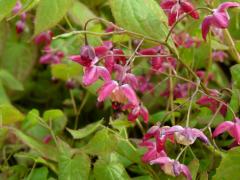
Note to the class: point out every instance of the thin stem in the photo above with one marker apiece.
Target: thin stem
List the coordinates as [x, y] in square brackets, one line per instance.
[191, 102]
[80, 109]
[140, 126]
[213, 118]
[179, 155]
[171, 96]
[233, 50]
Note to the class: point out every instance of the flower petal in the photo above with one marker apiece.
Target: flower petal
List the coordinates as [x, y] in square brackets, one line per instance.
[206, 26]
[224, 6]
[167, 4]
[186, 172]
[161, 160]
[188, 8]
[225, 126]
[199, 134]
[90, 75]
[103, 73]
[106, 90]
[144, 113]
[130, 94]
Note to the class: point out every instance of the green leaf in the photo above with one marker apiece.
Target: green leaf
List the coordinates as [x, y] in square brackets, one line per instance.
[89, 129]
[121, 123]
[3, 96]
[66, 71]
[45, 150]
[234, 104]
[49, 13]
[9, 114]
[6, 7]
[80, 13]
[142, 16]
[109, 171]
[57, 118]
[71, 168]
[38, 174]
[102, 143]
[10, 81]
[229, 166]
[18, 57]
[235, 71]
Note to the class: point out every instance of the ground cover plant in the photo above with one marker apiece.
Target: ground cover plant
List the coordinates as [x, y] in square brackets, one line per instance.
[119, 89]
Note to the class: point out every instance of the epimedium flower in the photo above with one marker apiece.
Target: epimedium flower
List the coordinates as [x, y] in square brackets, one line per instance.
[212, 103]
[51, 57]
[187, 136]
[232, 127]
[88, 60]
[118, 93]
[44, 38]
[175, 8]
[152, 152]
[172, 167]
[136, 111]
[219, 18]
[219, 56]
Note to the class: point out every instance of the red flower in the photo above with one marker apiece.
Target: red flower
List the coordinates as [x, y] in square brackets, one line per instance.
[219, 19]
[175, 8]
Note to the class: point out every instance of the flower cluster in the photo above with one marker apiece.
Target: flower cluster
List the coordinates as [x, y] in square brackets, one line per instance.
[124, 84]
[50, 56]
[21, 23]
[156, 151]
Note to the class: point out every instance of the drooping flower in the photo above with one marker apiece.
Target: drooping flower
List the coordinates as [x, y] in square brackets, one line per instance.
[117, 93]
[175, 8]
[232, 127]
[172, 167]
[219, 18]
[88, 60]
[160, 136]
[152, 151]
[44, 38]
[179, 91]
[187, 136]
[136, 111]
[51, 57]
[212, 103]
[219, 56]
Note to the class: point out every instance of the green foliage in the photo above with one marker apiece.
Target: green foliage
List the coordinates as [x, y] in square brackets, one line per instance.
[229, 166]
[9, 114]
[49, 13]
[86, 131]
[109, 171]
[144, 18]
[6, 7]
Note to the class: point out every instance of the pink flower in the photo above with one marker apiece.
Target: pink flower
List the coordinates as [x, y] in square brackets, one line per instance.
[44, 38]
[152, 152]
[118, 93]
[219, 18]
[88, 59]
[20, 26]
[87, 56]
[212, 103]
[219, 56]
[175, 8]
[233, 128]
[51, 57]
[160, 136]
[136, 111]
[17, 7]
[144, 85]
[187, 136]
[172, 167]
[93, 73]
[180, 90]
